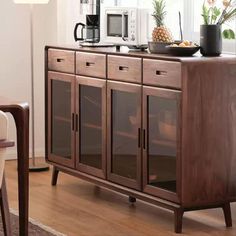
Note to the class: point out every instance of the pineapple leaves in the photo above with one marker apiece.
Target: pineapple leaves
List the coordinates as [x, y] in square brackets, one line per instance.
[159, 13]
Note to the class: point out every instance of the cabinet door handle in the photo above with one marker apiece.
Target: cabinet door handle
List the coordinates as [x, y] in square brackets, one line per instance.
[139, 137]
[73, 121]
[60, 59]
[144, 139]
[77, 122]
[123, 68]
[88, 64]
[159, 72]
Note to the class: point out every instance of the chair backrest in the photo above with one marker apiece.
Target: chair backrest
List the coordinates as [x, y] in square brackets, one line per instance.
[3, 126]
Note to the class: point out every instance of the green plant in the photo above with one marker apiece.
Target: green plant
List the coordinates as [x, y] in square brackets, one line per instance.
[213, 15]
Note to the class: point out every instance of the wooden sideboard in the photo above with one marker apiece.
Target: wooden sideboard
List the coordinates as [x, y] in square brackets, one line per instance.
[154, 127]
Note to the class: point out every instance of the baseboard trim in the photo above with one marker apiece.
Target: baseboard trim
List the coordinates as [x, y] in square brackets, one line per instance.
[12, 155]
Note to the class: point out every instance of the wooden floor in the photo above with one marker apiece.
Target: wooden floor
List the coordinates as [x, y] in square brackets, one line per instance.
[78, 208]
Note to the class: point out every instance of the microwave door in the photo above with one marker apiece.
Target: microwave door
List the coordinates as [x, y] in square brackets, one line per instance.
[125, 26]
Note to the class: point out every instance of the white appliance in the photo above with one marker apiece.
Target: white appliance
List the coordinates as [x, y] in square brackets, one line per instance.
[125, 26]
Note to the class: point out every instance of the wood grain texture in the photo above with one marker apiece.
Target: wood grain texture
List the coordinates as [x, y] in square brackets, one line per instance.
[91, 64]
[209, 133]
[162, 73]
[61, 60]
[69, 206]
[126, 69]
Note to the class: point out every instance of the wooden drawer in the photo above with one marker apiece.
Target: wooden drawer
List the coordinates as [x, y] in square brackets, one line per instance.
[61, 60]
[162, 73]
[125, 68]
[91, 64]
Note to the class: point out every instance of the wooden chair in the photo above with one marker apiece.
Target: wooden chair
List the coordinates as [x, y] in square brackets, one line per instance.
[3, 192]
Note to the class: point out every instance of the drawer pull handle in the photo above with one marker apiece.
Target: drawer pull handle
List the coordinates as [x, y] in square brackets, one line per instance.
[159, 72]
[90, 64]
[123, 68]
[60, 59]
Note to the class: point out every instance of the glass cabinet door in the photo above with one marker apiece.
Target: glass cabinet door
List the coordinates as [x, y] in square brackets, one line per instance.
[60, 112]
[161, 119]
[124, 130]
[91, 126]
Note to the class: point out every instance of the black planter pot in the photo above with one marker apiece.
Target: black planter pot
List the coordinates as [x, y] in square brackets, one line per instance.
[211, 40]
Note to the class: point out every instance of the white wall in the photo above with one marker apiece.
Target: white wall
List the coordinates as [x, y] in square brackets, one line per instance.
[15, 58]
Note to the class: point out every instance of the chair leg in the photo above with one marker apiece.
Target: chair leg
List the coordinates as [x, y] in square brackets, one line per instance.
[5, 209]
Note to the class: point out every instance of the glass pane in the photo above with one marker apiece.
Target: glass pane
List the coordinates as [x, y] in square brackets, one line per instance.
[91, 126]
[61, 118]
[162, 121]
[125, 133]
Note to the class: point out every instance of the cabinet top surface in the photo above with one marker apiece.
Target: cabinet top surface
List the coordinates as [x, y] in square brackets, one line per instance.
[124, 51]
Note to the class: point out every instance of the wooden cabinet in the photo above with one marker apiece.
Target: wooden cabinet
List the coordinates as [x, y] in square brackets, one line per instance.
[157, 128]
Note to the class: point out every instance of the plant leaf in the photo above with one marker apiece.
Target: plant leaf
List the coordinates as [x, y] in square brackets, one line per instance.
[228, 34]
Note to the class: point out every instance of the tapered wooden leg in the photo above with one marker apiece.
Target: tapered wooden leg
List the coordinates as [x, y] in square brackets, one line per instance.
[178, 220]
[55, 173]
[227, 214]
[5, 209]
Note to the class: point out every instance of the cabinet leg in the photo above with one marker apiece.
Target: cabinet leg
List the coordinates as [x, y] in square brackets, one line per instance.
[227, 214]
[178, 220]
[55, 172]
[132, 199]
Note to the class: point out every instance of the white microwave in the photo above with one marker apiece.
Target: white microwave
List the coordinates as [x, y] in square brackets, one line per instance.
[125, 26]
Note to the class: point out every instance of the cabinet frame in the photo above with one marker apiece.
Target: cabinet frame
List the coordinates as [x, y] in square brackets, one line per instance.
[98, 83]
[159, 192]
[52, 157]
[126, 87]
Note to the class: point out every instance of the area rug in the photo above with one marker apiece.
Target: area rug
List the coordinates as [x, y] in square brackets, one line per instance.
[35, 228]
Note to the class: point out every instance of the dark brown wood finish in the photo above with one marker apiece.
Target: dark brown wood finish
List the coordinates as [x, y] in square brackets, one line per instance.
[20, 113]
[91, 64]
[205, 95]
[97, 83]
[6, 143]
[133, 89]
[54, 76]
[208, 133]
[61, 60]
[162, 73]
[176, 96]
[55, 173]
[124, 69]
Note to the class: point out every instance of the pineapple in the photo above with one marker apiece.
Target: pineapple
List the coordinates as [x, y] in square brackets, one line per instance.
[160, 32]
